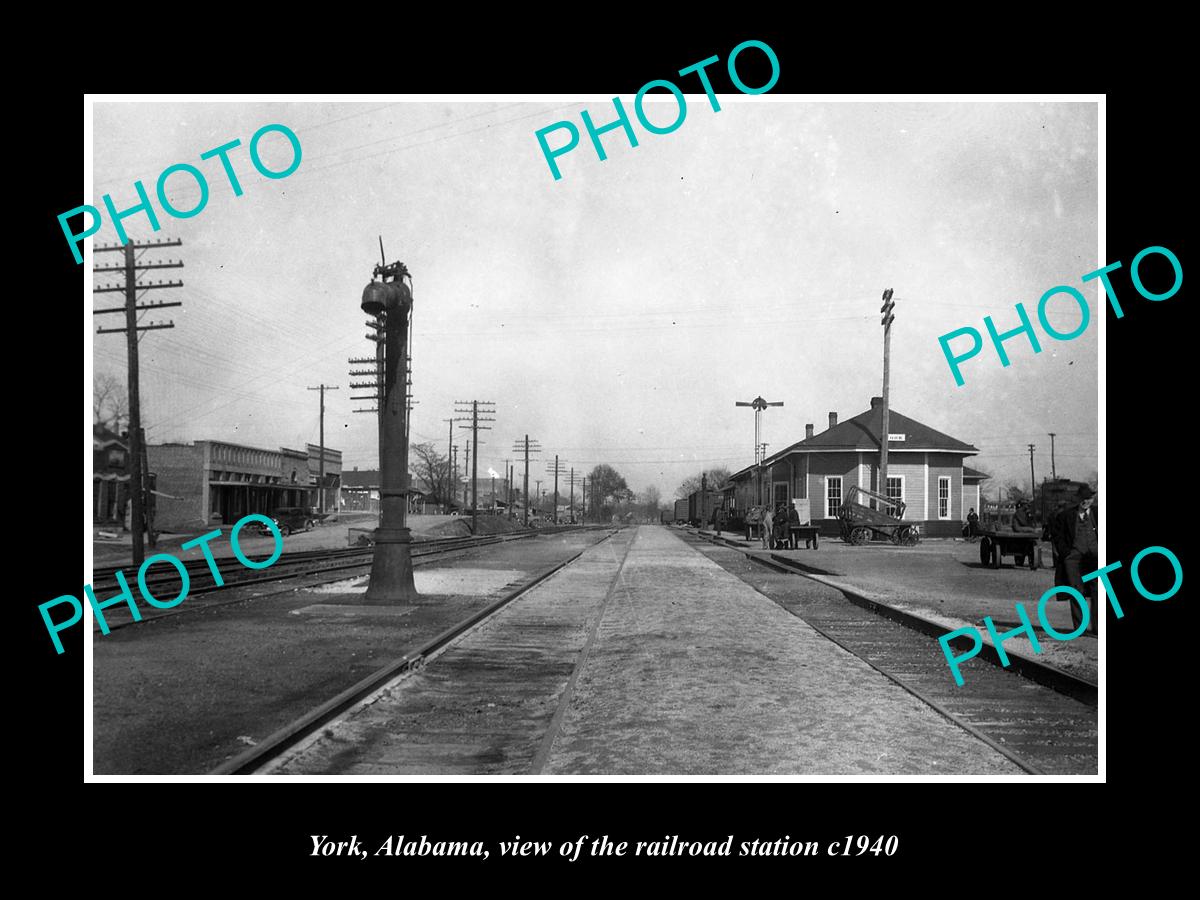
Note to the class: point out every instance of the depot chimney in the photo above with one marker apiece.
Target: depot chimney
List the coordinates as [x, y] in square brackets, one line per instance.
[832, 419]
[808, 431]
[876, 401]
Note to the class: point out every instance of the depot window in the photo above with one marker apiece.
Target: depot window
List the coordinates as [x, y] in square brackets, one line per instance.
[943, 497]
[833, 496]
[895, 488]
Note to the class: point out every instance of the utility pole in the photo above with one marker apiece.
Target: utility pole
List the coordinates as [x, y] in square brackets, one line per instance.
[321, 465]
[1032, 483]
[488, 409]
[508, 486]
[583, 488]
[527, 447]
[572, 495]
[136, 456]
[466, 469]
[1053, 473]
[538, 493]
[556, 469]
[888, 317]
[451, 490]
[452, 487]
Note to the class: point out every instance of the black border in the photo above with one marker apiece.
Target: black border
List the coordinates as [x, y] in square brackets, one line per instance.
[1145, 502]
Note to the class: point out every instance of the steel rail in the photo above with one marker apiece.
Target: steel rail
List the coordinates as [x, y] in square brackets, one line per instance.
[290, 735]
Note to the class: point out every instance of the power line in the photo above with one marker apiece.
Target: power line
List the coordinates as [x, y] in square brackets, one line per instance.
[141, 513]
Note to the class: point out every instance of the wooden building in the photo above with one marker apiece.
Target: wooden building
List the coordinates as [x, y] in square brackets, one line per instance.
[110, 475]
[925, 470]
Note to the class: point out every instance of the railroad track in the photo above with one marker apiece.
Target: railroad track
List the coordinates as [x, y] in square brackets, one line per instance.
[280, 742]
[1043, 729]
[234, 574]
[295, 565]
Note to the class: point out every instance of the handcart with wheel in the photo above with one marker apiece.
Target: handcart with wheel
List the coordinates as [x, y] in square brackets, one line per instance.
[861, 521]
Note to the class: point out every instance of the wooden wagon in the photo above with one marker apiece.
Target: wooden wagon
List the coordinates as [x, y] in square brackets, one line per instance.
[859, 521]
[996, 544]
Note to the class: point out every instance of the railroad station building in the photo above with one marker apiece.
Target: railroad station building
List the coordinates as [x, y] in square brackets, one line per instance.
[925, 471]
[209, 483]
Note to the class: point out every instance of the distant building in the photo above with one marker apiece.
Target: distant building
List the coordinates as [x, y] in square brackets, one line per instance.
[211, 482]
[110, 475]
[360, 492]
[925, 471]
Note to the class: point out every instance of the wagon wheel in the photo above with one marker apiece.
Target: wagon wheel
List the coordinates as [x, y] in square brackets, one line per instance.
[860, 535]
[1033, 559]
[910, 537]
[997, 556]
[985, 551]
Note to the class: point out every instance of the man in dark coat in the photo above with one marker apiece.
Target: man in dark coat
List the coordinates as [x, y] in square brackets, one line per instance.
[793, 519]
[1073, 531]
[781, 527]
[1021, 520]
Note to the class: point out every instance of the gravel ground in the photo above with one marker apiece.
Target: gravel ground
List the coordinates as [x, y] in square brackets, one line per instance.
[944, 581]
[184, 693]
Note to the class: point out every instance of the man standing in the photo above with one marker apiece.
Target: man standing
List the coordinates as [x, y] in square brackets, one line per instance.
[972, 524]
[1073, 531]
[768, 523]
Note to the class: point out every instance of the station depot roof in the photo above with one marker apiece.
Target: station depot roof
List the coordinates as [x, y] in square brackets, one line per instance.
[861, 434]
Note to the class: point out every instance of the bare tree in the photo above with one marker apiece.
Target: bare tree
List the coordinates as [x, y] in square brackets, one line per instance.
[716, 478]
[432, 470]
[110, 404]
[1014, 492]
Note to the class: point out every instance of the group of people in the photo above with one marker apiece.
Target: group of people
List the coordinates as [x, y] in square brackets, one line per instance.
[775, 524]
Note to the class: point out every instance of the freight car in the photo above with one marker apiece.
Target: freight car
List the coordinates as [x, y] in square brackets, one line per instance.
[701, 505]
[681, 512]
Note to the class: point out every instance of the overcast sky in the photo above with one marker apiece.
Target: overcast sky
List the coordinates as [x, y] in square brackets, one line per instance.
[617, 314]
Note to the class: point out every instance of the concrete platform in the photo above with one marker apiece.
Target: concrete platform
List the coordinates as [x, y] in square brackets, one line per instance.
[944, 582]
[695, 672]
[644, 657]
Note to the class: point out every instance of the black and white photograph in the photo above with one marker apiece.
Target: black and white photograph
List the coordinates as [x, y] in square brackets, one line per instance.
[703, 432]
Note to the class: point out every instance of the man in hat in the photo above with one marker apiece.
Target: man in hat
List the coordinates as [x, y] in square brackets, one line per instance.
[1020, 519]
[1073, 531]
